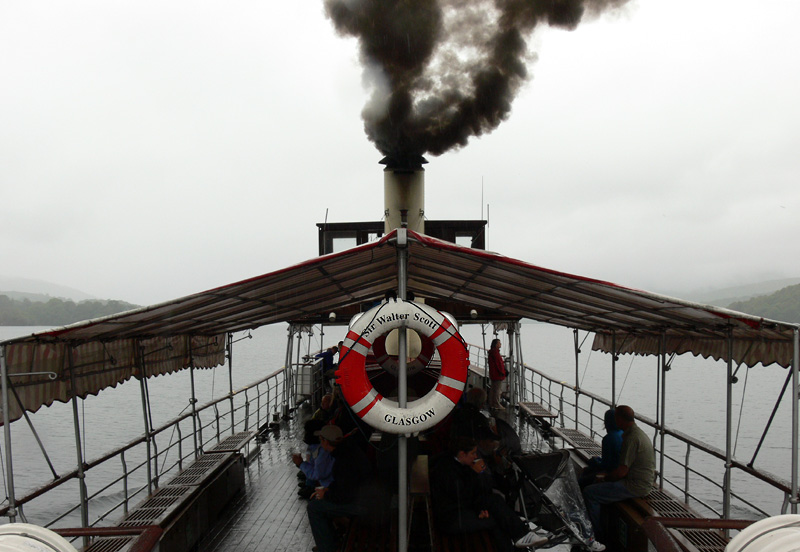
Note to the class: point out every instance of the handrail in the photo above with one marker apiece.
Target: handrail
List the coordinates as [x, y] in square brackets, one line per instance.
[174, 422]
[712, 451]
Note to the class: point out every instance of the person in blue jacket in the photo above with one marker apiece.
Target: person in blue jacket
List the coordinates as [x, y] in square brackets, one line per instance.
[612, 444]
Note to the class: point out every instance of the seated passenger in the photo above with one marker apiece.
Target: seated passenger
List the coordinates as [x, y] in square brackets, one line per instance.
[325, 411]
[463, 500]
[633, 477]
[344, 496]
[316, 470]
[612, 443]
[468, 421]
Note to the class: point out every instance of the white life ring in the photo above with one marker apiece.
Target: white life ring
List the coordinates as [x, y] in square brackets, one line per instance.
[384, 414]
[390, 363]
[25, 537]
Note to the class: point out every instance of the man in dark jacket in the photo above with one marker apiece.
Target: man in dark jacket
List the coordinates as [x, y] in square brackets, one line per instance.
[343, 497]
[464, 502]
[328, 366]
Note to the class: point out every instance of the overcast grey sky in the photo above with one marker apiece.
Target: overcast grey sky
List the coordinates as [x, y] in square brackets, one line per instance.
[150, 150]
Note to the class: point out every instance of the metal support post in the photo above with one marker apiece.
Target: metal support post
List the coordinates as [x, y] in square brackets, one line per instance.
[521, 386]
[12, 502]
[511, 379]
[193, 402]
[287, 367]
[296, 362]
[230, 380]
[78, 451]
[485, 361]
[726, 498]
[402, 395]
[147, 435]
[288, 382]
[577, 373]
[663, 407]
[613, 369]
[795, 419]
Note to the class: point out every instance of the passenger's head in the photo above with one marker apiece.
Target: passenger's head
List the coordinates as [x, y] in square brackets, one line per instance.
[495, 344]
[327, 402]
[611, 424]
[624, 417]
[330, 436]
[310, 430]
[464, 449]
[476, 397]
[334, 349]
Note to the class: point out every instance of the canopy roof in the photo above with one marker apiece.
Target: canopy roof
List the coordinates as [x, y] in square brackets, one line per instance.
[191, 331]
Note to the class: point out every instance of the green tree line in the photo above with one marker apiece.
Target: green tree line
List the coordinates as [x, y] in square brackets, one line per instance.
[783, 305]
[55, 312]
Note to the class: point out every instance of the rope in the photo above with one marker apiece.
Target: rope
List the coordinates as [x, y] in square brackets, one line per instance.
[619, 395]
[3, 464]
[586, 368]
[741, 410]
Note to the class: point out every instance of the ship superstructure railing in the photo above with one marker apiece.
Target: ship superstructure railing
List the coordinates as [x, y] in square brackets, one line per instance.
[123, 476]
[690, 468]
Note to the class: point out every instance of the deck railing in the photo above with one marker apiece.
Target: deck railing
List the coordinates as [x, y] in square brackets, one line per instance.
[118, 479]
[693, 470]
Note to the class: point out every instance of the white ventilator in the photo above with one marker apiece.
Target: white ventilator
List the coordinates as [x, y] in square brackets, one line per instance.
[774, 534]
[24, 537]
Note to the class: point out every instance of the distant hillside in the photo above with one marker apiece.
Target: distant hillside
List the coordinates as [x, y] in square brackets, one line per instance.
[16, 288]
[55, 312]
[725, 296]
[783, 305]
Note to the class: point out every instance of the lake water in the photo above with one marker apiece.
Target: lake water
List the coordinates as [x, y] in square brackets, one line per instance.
[695, 402]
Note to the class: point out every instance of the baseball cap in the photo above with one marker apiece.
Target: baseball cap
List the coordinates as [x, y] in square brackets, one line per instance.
[330, 433]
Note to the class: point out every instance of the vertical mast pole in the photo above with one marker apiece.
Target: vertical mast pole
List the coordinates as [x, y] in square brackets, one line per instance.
[193, 402]
[511, 379]
[726, 498]
[295, 373]
[288, 381]
[521, 361]
[230, 379]
[577, 371]
[287, 366]
[79, 453]
[795, 418]
[402, 394]
[663, 400]
[404, 209]
[12, 501]
[147, 435]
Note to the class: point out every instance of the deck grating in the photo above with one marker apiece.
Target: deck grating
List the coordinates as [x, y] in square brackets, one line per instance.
[704, 540]
[111, 544]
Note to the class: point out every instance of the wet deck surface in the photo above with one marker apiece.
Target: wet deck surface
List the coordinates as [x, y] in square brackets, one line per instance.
[269, 515]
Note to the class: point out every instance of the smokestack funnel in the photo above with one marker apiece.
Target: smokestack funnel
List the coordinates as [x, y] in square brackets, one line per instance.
[404, 190]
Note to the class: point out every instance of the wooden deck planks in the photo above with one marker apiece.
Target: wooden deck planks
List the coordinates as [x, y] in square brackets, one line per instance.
[269, 516]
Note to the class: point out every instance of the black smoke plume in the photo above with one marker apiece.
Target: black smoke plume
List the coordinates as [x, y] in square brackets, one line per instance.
[442, 71]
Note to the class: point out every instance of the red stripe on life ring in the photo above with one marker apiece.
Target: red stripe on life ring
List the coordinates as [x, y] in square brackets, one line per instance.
[449, 392]
[353, 336]
[369, 406]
